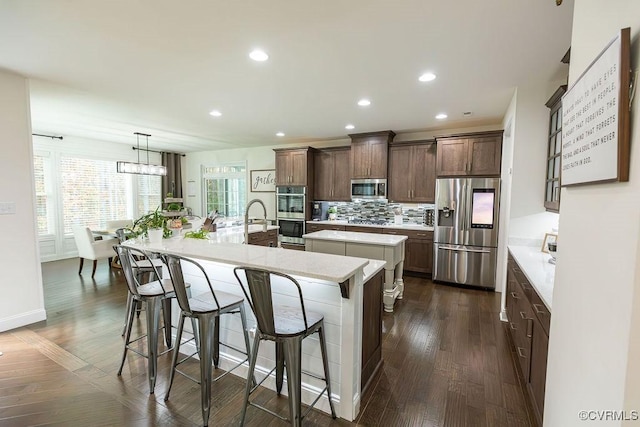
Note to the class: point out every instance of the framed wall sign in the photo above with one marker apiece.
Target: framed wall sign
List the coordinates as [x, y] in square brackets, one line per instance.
[595, 122]
[263, 181]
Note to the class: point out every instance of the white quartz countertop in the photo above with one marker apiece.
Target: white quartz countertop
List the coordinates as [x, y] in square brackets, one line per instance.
[536, 267]
[236, 234]
[356, 237]
[333, 268]
[418, 227]
[372, 269]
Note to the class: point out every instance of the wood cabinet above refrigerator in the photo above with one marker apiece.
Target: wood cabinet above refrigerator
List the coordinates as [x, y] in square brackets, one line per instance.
[472, 154]
[369, 154]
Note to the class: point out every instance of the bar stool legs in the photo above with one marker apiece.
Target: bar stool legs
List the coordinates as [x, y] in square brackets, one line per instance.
[289, 357]
[153, 324]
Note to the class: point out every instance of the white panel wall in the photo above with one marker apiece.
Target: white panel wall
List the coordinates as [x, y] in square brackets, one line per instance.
[594, 349]
[21, 285]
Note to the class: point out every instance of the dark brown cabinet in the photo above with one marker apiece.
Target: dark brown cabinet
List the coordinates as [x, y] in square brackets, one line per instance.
[371, 328]
[294, 166]
[332, 174]
[529, 321]
[477, 154]
[369, 154]
[418, 249]
[264, 238]
[313, 227]
[412, 172]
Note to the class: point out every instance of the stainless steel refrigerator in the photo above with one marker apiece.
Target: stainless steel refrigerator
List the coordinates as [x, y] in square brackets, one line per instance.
[466, 231]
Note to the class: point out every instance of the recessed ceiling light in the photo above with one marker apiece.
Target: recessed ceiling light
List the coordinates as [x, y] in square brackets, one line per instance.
[364, 102]
[215, 113]
[427, 77]
[280, 134]
[258, 55]
[349, 127]
[441, 116]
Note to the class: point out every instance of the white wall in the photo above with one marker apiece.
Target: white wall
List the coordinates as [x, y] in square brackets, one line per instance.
[22, 299]
[594, 349]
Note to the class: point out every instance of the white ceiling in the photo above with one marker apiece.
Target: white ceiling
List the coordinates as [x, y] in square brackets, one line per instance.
[105, 69]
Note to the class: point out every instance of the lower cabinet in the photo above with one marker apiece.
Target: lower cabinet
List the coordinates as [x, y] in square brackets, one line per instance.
[529, 322]
[312, 227]
[264, 238]
[418, 249]
[371, 328]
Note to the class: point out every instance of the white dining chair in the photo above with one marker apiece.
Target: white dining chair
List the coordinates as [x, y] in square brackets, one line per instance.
[118, 223]
[89, 248]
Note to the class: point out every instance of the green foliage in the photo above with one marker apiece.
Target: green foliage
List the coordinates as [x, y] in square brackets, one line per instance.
[199, 234]
[174, 207]
[151, 220]
[332, 209]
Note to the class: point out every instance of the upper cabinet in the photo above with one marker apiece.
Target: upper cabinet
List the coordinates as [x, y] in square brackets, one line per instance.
[294, 166]
[554, 146]
[475, 154]
[412, 172]
[332, 174]
[369, 152]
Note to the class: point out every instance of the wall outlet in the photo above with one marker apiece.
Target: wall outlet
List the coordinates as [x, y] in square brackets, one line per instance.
[7, 208]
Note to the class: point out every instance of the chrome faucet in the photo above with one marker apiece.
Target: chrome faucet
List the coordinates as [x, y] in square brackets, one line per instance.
[246, 219]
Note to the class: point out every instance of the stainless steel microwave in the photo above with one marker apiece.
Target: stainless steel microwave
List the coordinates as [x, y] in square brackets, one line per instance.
[368, 189]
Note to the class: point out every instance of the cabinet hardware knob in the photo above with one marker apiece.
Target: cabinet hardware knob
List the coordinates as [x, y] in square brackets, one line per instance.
[421, 235]
[537, 310]
[514, 295]
[520, 350]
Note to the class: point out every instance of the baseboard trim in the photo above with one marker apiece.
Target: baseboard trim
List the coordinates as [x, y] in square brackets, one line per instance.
[22, 319]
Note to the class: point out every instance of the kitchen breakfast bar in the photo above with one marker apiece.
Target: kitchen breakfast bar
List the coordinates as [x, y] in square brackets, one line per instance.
[342, 288]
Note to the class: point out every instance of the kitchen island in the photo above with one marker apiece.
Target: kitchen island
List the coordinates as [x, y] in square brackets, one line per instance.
[331, 285]
[385, 247]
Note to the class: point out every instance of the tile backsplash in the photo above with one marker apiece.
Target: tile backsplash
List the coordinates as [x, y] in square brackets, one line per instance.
[376, 210]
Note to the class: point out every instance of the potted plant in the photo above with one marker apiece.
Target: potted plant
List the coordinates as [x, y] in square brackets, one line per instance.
[333, 212]
[151, 225]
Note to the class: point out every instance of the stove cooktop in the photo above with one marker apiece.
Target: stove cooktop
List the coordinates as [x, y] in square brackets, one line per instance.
[368, 221]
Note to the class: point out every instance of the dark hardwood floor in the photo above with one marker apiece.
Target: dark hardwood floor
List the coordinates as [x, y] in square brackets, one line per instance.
[447, 362]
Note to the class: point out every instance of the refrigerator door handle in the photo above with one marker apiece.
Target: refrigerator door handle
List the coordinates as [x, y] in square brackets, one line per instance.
[458, 249]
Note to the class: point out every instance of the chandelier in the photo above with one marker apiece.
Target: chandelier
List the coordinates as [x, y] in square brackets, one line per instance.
[141, 168]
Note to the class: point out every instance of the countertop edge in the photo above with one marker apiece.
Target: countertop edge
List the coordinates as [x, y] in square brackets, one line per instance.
[537, 279]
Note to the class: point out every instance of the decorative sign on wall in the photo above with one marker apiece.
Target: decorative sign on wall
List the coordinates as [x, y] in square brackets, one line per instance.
[263, 181]
[595, 122]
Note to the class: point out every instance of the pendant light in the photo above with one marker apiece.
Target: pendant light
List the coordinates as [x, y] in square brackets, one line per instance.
[141, 168]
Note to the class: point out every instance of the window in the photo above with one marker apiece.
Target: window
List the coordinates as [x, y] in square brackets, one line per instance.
[93, 192]
[149, 197]
[44, 196]
[554, 148]
[225, 189]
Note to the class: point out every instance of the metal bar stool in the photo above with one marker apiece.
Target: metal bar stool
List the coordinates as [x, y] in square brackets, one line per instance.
[153, 294]
[206, 310]
[287, 327]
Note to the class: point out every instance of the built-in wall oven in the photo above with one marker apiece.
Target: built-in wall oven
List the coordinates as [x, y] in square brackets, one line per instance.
[291, 209]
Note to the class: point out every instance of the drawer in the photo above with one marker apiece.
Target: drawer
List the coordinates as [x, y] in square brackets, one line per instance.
[357, 229]
[312, 228]
[412, 234]
[261, 235]
[541, 311]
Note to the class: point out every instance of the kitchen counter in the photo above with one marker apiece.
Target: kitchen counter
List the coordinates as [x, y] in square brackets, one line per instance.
[388, 248]
[322, 278]
[418, 227]
[235, 234]
[537, 269]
